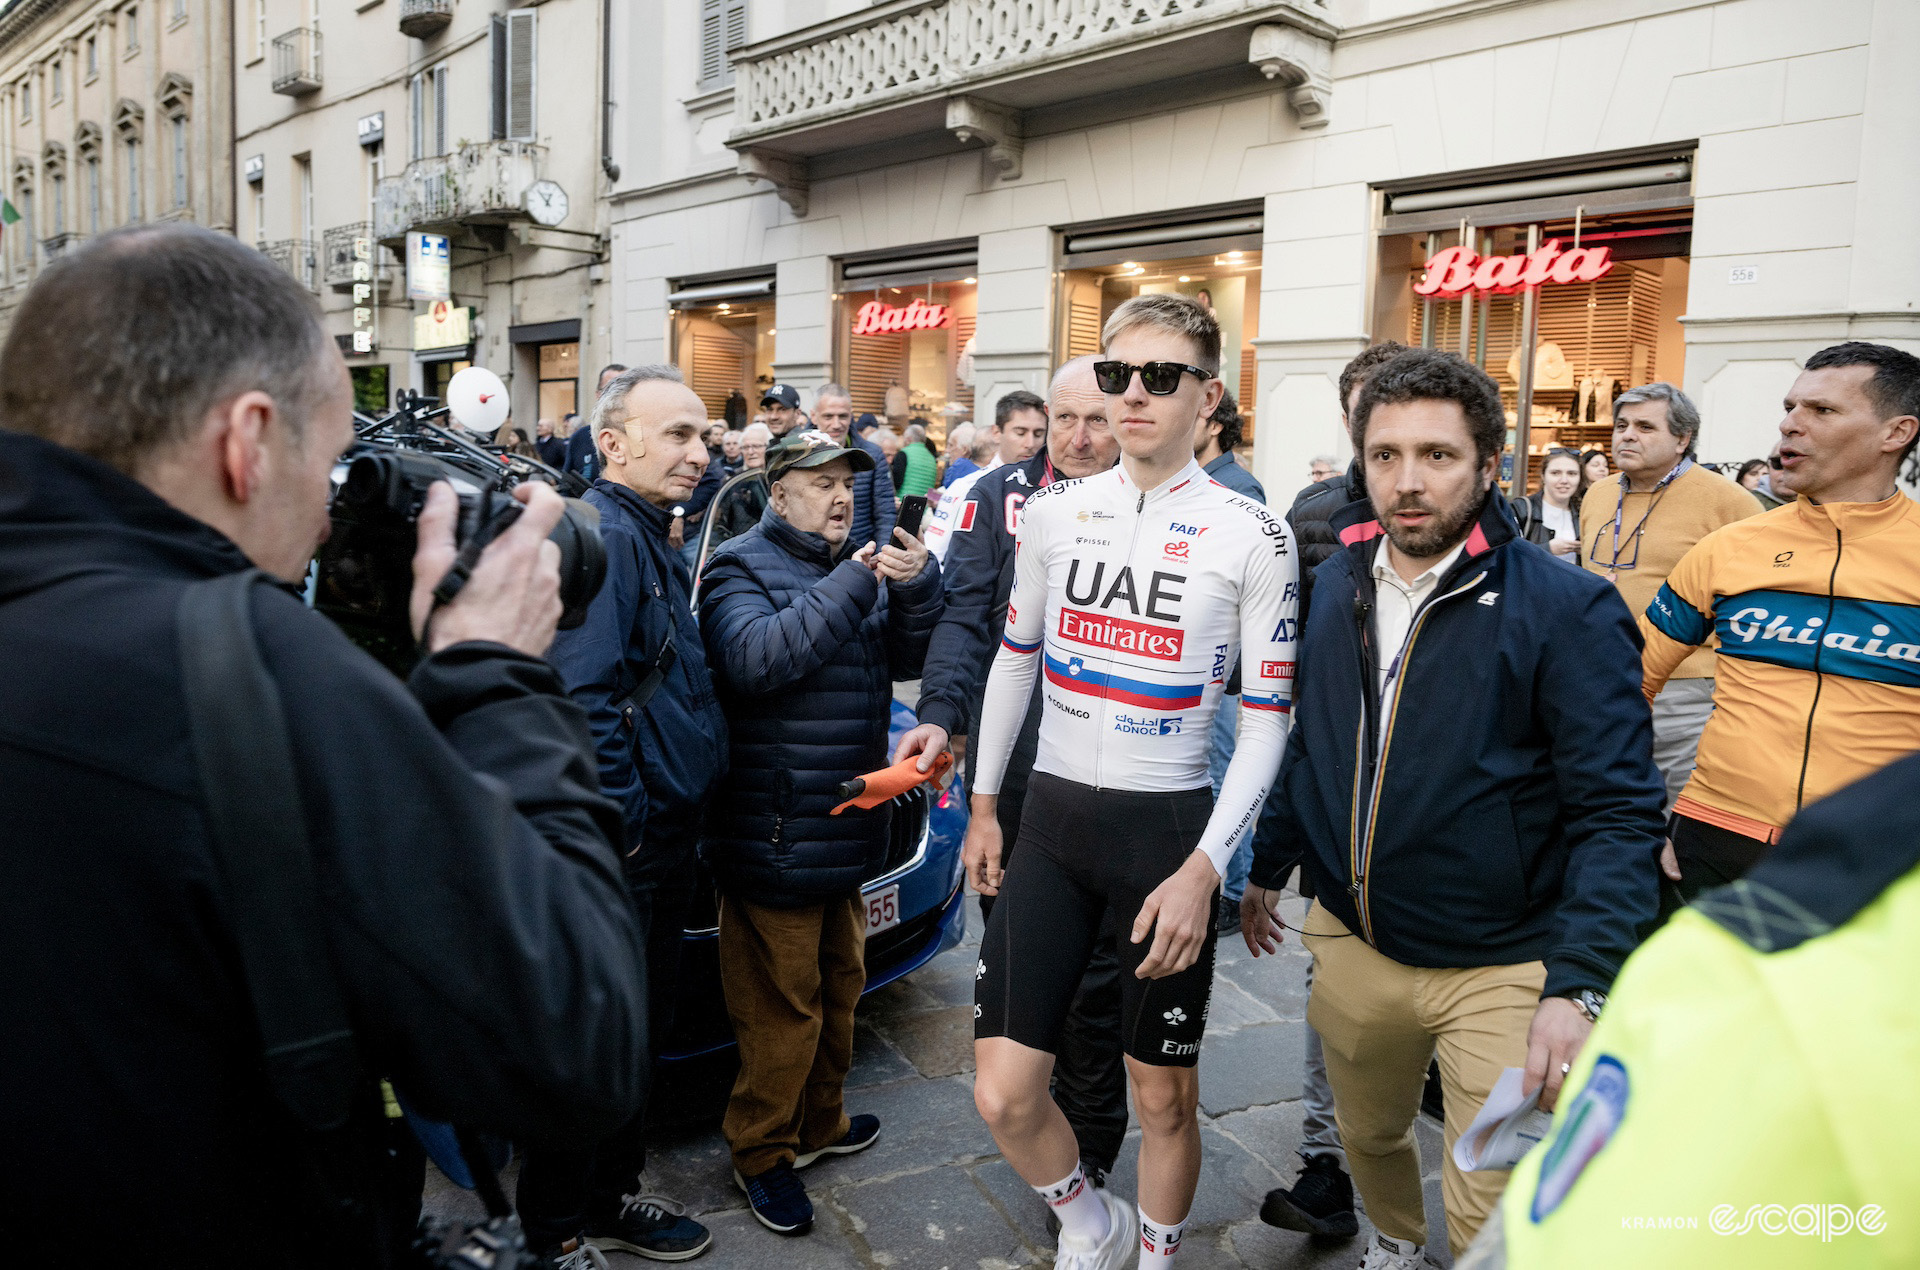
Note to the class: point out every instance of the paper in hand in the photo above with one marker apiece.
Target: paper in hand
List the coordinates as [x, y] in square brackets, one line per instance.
[1506, 1128]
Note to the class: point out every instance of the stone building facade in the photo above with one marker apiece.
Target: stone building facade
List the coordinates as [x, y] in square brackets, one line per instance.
[1023, 165]
[112, 112]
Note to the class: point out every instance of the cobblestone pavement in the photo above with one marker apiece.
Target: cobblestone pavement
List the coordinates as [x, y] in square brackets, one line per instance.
[934, 1194]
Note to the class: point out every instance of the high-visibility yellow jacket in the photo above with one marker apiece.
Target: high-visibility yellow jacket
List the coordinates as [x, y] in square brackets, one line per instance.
[1817, 609]
[1755, 1075]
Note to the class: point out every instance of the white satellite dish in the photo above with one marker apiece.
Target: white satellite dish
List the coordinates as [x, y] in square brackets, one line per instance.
[478, 400]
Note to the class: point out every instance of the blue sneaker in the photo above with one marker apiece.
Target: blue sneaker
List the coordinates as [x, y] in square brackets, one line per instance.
[862, 1132]
[650, 1226]
[779, 1200]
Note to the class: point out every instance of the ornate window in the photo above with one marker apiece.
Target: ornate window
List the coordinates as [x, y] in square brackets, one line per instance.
[129, 125]
[92, 211]
[176, 101]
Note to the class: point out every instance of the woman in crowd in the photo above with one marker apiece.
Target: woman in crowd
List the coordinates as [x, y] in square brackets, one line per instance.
[1593, 464]
[1550, 516]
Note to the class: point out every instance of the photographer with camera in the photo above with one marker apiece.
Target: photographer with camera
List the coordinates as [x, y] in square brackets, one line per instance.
[173, 411]
[638, 668]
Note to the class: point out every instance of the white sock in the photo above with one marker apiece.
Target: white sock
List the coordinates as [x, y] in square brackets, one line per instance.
[1082, 1215]
[1159, 1240]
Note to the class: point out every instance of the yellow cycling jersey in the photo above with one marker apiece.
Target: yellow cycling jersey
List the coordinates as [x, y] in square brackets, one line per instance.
[1817, 610]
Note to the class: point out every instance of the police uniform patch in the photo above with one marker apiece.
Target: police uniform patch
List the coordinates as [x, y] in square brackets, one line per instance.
[1589, 1125]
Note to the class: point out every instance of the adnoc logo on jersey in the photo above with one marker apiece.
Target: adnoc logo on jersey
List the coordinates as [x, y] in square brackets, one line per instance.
[1133, 725]
[1163, 643]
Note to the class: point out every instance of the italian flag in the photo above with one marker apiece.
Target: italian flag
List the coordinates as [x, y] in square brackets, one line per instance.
[9, 215]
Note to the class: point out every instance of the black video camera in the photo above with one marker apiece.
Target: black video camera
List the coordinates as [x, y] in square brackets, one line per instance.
[364, 573]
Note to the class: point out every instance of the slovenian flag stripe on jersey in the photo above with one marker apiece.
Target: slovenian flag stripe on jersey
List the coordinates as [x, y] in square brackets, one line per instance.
[1258, 701]
[1134, 692]
[1018, 647]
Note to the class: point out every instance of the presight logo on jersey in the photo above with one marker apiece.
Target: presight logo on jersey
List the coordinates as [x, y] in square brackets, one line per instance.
[1164, 643]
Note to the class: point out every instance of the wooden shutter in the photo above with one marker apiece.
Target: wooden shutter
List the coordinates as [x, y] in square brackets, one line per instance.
[719, 368]
[520, 75]
[713, 41]
[497, 99]
[440, 110]
[417, 139]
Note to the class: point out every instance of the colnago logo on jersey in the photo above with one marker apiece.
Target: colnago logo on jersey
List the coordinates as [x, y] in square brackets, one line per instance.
[1164, 643]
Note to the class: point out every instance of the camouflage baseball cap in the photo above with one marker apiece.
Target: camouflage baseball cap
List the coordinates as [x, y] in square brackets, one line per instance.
[813, 449]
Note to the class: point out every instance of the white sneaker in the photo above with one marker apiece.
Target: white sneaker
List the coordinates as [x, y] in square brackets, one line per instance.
[1395, 1254]
[1111, 1253]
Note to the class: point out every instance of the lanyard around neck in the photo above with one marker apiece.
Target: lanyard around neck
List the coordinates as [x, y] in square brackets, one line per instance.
[1620, 508]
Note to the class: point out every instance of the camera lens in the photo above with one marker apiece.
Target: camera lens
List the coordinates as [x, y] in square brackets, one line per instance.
[583, 560]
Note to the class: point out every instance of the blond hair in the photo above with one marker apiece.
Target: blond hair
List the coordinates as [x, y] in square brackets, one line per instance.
[1167, 311]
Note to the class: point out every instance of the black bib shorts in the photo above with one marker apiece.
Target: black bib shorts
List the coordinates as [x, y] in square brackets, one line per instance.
[1082, 851]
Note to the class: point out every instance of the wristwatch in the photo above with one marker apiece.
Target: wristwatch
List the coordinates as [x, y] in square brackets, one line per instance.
[1589, 1003]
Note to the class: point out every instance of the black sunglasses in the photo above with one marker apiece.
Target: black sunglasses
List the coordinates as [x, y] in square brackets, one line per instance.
[1158, 378]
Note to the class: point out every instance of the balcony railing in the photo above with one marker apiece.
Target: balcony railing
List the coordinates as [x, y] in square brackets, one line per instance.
[298, 257]
[482, 183]
[55, 246]
[296, 62]
[423, 18]
[341, 258]
[929, 51]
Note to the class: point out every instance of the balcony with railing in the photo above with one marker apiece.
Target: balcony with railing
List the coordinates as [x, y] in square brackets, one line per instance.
[930, 75]
[423, 19]
[53, 248]
[479, 184]
[296, 62]
[298, 257]
[344, 261]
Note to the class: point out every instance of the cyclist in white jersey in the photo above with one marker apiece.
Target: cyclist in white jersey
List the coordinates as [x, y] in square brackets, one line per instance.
[1135, 591]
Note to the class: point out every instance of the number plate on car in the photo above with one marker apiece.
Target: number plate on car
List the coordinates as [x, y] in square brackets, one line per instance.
[883, 910]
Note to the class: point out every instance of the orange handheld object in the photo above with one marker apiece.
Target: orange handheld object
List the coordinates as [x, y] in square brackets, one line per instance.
[890, 782]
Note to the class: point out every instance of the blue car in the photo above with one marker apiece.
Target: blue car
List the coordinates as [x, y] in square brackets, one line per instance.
[914, 911]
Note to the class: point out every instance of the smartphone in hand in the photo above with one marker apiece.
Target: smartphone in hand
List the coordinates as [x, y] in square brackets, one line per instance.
[913, 510]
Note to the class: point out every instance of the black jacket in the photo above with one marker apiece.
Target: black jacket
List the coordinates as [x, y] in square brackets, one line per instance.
[661, 760]
[979, 577]
[1311, 519]
[979, 581]
[805, 644]
[1516, 814]
[470, 900]
[875, 505]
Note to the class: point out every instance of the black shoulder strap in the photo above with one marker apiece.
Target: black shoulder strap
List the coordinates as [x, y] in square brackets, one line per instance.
[648, 679]
[259, 835]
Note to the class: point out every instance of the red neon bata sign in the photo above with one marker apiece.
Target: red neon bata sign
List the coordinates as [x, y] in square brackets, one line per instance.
[876, 318]
[1458, 270]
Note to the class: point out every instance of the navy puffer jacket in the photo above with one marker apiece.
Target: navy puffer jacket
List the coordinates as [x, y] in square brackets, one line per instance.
[805, 644]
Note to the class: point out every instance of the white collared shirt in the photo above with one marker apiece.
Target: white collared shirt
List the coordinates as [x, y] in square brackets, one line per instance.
[1395, 602]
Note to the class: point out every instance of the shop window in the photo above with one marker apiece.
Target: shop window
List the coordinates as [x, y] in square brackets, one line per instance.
[559, 380]
[439, 374]
[1595, 336]
[726, 348]
[370, 388]
[1227, 282]
[906, 352]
